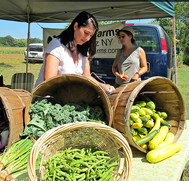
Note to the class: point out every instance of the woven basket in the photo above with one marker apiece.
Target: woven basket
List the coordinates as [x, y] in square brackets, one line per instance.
[76, 135]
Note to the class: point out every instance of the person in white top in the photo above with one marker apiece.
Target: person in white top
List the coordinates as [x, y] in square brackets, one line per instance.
[71, 51]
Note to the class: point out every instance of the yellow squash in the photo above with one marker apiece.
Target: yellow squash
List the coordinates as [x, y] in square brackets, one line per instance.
[168, 140]
[157, 123]
[162, 153]
[158, 138]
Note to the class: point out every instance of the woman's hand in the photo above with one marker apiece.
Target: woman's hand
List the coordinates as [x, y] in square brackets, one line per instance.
[135, 77]
[122, 77]
[107, 88]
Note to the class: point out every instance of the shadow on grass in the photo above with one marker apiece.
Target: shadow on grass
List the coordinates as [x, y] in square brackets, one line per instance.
[5, 65]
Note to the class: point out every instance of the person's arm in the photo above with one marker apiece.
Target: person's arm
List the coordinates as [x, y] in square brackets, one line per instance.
[143, 64]
[86, 73]
[51, 66]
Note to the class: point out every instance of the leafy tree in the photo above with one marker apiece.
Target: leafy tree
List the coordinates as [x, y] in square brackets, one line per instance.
[35, 40]
[182, 29]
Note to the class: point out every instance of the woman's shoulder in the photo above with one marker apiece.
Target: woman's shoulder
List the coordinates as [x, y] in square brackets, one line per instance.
[141, 49]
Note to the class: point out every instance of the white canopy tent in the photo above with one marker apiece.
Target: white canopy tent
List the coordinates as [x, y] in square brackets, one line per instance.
[64, 11]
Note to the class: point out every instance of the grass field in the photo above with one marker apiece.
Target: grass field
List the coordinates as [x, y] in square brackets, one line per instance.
[12, 61]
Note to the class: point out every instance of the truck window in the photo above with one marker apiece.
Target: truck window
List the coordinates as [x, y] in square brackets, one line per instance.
[147, 38]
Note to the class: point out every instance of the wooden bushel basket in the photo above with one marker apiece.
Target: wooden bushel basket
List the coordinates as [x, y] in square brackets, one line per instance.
[72, 88]
[162, 91]
[14, 102]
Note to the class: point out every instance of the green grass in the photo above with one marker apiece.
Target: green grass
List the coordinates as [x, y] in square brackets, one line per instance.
[12, 61]
[183, 85]
[12, 50]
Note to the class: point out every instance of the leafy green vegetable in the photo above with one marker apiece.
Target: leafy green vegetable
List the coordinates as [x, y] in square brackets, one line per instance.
[45, 116]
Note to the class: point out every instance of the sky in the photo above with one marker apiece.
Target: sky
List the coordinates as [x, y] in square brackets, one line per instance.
[19, 30]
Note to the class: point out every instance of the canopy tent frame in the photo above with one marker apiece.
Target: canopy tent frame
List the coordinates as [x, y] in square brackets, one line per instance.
[63, 11]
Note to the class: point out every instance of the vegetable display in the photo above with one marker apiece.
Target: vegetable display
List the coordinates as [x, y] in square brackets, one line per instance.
[45, 116]
[15, 159]
[162, 153]
[80, 164]
[151, 131]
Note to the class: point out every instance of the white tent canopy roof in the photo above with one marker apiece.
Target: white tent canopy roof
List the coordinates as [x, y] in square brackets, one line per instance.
[65, 11]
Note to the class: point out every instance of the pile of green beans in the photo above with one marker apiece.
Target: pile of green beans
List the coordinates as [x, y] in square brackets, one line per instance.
[80, 164]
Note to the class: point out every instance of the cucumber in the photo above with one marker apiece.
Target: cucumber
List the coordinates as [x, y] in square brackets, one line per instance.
[147, 138]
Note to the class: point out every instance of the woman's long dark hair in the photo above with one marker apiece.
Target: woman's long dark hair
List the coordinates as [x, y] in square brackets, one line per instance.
[67, 36]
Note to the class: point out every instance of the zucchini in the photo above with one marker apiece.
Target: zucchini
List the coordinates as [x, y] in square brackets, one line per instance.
[142, 130]
[141, 103]
[130, 122]
[133, 132]
[147, 138]
[144, 146]
[165, 123]
[144, 119]
[134, 116]
[168, 140]
[162, 153]
[141, 112]
[157, 123]
[147, 111]
[136, 137]
[158, 138]
[137, 125]
[134, 109]
[147, 116]
[150, 105]
[164, 115]
[149, 124]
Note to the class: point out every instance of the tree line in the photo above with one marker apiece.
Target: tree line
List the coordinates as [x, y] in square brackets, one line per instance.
[181, 23]
[182, 30]
[9, 41]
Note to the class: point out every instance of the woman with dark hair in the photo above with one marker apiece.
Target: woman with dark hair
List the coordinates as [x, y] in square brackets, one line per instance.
[130, 61]
[71, 51]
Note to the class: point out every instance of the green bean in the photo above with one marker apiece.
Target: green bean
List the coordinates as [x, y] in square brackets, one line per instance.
[80, 164]
[107, 174]
[64, 174]
[100, 152]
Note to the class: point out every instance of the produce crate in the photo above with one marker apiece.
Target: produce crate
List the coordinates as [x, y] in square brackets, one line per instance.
[82, 135]
[162, 91]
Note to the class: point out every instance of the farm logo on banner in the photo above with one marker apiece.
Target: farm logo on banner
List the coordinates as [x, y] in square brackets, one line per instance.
[107, 41]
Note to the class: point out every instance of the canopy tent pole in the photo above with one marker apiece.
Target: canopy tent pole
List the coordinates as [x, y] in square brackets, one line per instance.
[174, 46]
[28, 37]
[28, 40]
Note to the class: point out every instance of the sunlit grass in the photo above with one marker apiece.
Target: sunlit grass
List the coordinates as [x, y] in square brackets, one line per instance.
[12, 50]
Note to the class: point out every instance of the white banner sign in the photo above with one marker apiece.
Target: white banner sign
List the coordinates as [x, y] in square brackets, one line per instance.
[107, 41]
